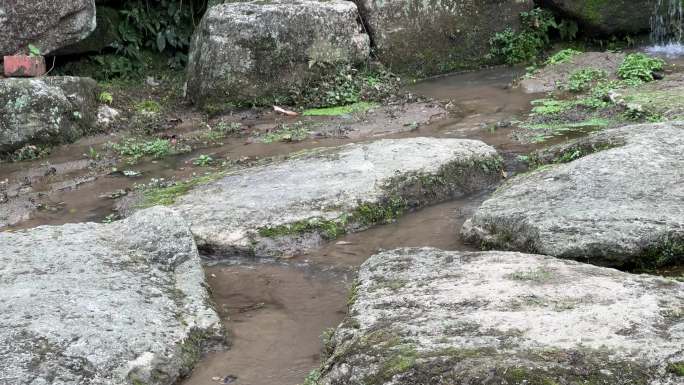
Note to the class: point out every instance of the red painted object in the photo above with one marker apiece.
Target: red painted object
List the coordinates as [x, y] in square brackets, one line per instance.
[24, 66]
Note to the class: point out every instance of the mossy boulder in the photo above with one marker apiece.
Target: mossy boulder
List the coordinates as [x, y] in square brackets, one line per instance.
[47, 24]
[260, 51]
[607, 17]
[294, 205]
[422, 38]
[48, 110]
[618, 203]
[426, 316]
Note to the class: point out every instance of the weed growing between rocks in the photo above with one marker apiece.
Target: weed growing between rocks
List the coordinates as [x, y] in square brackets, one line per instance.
[592, 99]
[350, 86]
[283, 132]
[133, 149]
[639, 67]
[527, 45]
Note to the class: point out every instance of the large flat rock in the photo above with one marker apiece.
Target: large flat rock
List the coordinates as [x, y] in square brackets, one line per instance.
[622, 206]
[103, 304]
[426, 316]
[47, 24]
[295, 205]
[48, 110]
[260, 51]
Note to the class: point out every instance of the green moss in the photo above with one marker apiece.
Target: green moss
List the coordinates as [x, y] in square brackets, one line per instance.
[330, 229]
[165, 196]
[524, 376]
[579, 151]
[353, 294]
[667, 251]
[539, 275]
[676, 368]
[313, 377]
[342, 110]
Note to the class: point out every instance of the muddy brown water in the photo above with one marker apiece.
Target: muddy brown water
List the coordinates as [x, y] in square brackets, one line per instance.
[275, 311]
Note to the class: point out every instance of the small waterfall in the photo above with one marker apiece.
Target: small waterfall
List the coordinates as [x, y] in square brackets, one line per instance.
[667, 31]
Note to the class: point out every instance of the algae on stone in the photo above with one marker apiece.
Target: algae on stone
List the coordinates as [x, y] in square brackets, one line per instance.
[504, 318]
[294, 205]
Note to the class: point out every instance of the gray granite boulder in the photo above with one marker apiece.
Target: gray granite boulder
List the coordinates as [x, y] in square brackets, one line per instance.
[424, 38]
[291, 206]
[103, 304]
[48, 110]
[426, 316]
[47, 24]
[619, 203]
[256, 51]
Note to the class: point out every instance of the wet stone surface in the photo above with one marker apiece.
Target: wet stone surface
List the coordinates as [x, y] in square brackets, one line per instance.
[428, 316]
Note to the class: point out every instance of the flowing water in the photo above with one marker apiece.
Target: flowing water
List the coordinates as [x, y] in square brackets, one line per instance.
[667, 29]
[275, 311]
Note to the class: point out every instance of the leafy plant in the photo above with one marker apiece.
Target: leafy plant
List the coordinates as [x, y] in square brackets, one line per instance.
[583, 79]
[92, 154]
[203, 160]
[162, 25]
[33, 50]
[105, 97]
[134, 149]
[524, 46]
[562, 56]
[639, 67]
[348, 86]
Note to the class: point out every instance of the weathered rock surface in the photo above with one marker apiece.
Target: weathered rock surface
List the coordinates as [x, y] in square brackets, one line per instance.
[425, 38]
[47, 24]
[607, 17]
[623, 206]
[295, 205]
[48, 110]
[103, 304]
[426, 316]
[261, 51]
[106, 33]
[553, 76]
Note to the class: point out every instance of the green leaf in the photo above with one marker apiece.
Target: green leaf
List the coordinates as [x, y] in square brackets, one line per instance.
[33, 50]
[161, 41]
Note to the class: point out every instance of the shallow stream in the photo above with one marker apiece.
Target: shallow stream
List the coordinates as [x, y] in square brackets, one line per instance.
[275, 311]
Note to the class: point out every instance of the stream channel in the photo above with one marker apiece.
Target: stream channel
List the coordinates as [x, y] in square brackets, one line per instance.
[275, 311]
